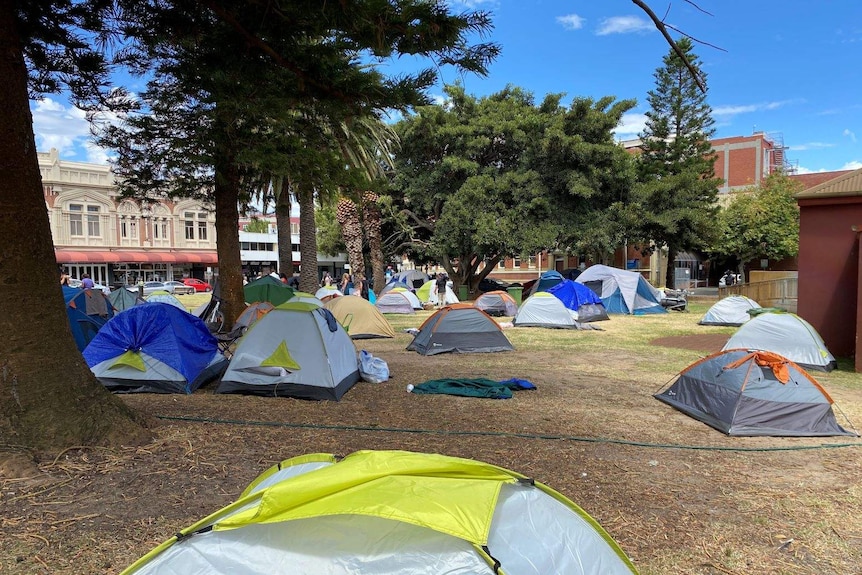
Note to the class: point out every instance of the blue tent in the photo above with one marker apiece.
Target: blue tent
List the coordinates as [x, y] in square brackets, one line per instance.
[580, 299]
[88, 310]
[156, 348]
[548, 280]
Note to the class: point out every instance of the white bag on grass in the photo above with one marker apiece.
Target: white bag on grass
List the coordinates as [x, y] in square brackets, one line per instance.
[372, 369]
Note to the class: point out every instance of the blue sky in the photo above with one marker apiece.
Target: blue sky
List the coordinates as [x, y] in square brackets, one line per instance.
[789, 68]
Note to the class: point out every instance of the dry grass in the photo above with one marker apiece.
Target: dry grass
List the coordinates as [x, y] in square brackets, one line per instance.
[679, 497]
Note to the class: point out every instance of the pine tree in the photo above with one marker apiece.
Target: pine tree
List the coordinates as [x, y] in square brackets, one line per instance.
[676, 193]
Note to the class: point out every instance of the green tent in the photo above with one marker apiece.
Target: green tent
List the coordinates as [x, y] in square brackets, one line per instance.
[268, 289]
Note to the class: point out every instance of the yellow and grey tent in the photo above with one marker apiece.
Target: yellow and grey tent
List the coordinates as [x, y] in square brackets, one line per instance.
[359, 317]
[388, 513]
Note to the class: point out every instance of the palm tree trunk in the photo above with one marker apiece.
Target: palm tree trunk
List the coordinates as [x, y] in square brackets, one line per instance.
[372, 218]
[282, 225]
[308, 281]
[49, 398]
[348, 216]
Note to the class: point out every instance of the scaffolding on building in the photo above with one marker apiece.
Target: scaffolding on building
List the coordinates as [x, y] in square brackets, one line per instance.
[776, 155]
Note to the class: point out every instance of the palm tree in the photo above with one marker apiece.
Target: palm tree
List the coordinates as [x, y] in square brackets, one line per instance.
[372, 218]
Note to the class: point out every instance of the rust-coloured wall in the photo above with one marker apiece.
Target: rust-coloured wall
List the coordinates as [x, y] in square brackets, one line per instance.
[828, 269]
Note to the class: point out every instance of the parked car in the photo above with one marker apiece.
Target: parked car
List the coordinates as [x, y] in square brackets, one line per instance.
[491, 284]
[150, 287]
[179, 288]
[199, 285]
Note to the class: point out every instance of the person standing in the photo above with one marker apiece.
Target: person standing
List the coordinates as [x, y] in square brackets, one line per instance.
[359, 286]
[86, 282]
[440, 284]
[64, 277]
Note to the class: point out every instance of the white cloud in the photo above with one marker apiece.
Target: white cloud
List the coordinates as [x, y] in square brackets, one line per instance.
[67, 130]
[571, 21]
[733, 110]
[854, 165]
[849, 134]
[624, 25]
[631, 125]
[810, 146]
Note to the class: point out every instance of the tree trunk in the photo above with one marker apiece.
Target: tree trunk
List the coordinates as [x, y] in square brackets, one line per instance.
[49, 398]
[348, 216]
[282, 225]
[308, 281]
[227, 184]
[670, 275]
[373, 220]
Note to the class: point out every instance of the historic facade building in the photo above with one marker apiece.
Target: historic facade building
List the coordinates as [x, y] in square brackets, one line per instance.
[122, 241]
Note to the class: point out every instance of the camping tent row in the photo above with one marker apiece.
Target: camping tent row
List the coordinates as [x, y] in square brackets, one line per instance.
[742, 392]
[388, 513]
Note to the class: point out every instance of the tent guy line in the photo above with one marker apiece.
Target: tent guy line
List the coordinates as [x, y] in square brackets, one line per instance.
[505, 434]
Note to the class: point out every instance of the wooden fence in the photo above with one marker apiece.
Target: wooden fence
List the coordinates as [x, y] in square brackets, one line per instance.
[782, 292]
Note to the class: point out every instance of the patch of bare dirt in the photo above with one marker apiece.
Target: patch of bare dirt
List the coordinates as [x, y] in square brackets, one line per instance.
[706, 342]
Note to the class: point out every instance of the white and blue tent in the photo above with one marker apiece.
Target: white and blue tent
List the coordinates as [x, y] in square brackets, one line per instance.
[584, 305]
[622, 291]
[154, 348]
[542, 309]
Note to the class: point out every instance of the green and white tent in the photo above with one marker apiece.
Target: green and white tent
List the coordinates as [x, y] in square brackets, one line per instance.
[786, 334]
[391, 513]
[296, 350]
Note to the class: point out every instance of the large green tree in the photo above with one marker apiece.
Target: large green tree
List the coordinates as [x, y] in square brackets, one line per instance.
[675, 199]
[486, 178]
[48, 396]
[760, 222]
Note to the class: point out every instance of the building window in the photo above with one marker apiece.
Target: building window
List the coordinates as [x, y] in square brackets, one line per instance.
[531, 262]
[76, 220]
[93, 221]
[294, 228]
[516, 263]
[202, 226]
[133, 229]
[164, 226]
[502, 264]
[294, 247]
[190, 225]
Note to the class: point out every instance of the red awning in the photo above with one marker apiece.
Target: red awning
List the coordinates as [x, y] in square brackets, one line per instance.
[65, 256]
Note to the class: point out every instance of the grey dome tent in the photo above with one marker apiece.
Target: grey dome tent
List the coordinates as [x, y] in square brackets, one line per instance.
[394, 302]
[786, 334]
[459, 328]
[732, 310]
[544, 310]
[741, 392]
[391, 513]
[497, 303]
[295, 350]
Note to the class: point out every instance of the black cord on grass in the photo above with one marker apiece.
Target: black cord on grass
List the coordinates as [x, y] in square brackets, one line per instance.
[539, 436]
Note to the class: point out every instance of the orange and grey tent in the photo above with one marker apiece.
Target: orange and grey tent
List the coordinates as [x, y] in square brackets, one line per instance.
[497, 303]
[460, 328]
[742, 392]
[253, 312]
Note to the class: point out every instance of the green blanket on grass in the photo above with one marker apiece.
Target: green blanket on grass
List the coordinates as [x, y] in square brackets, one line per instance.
[476, 387]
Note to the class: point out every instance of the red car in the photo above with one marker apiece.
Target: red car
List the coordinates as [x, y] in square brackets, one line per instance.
[199, 285]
